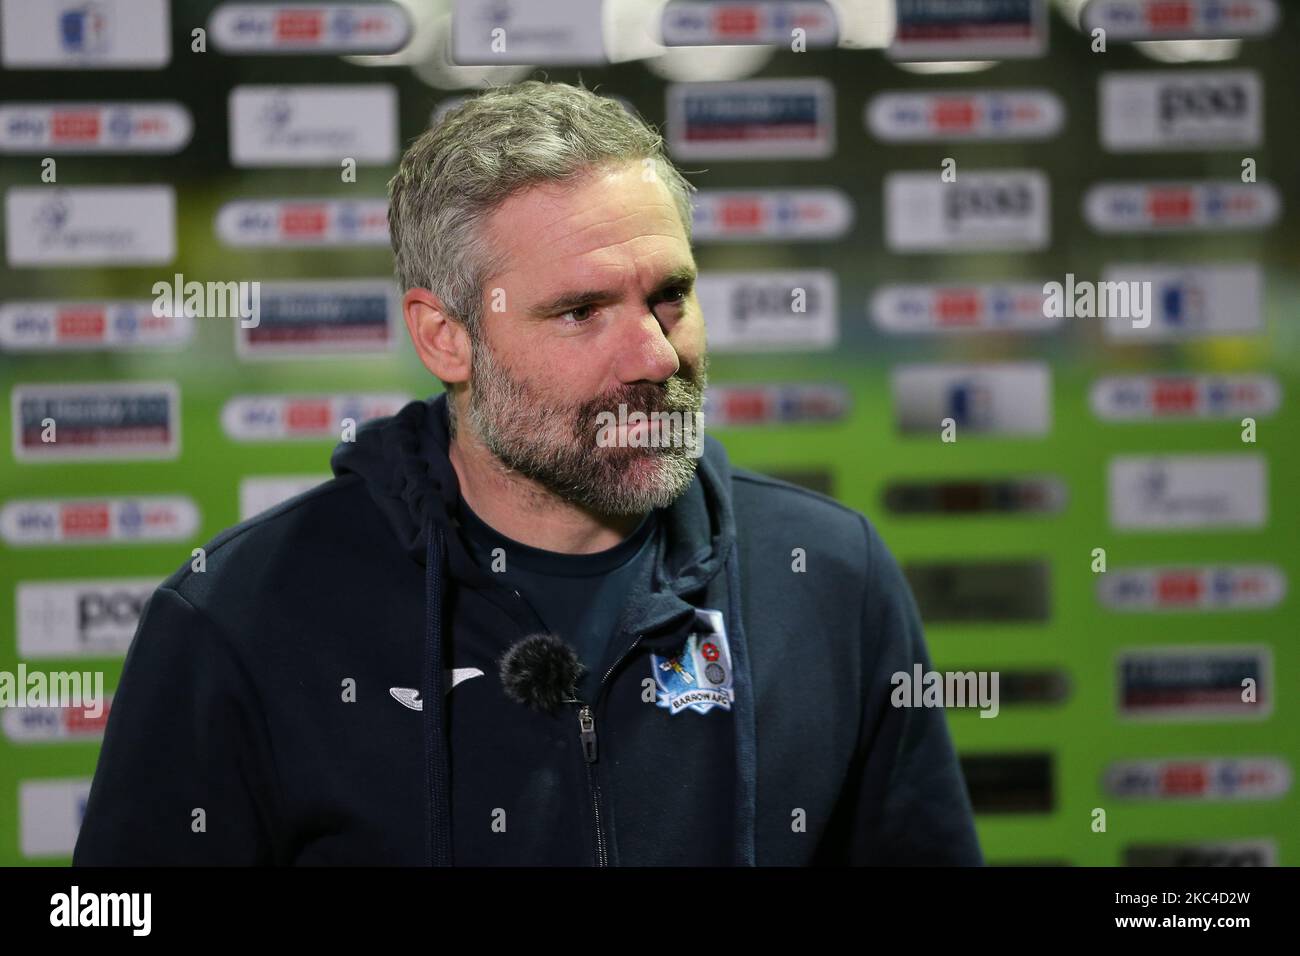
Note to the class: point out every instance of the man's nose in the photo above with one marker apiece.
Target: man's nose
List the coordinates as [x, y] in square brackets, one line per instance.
[645, 354]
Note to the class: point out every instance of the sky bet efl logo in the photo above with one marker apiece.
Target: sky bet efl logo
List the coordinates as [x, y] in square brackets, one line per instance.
[303, 223]
[965, 115]
[1168, 206]
[1180, 19]
[1193, 588]
[89, 326]
[1252, 778]
[695, 23]
[123, 128]
[280, 417]
[1144, 397]
[735, 215]
[252, 28]
[977, 307]
[97, 521]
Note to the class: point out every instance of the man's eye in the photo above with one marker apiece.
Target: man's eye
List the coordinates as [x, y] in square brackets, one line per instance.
[579, 315]
[677, 295]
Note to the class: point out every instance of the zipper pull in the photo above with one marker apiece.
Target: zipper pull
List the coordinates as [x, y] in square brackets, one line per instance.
[587, 723]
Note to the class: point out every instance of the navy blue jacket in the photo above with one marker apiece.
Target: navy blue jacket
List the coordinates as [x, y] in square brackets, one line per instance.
[267, 712]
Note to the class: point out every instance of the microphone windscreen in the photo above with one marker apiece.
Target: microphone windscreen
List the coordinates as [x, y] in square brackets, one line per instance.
[541, 671]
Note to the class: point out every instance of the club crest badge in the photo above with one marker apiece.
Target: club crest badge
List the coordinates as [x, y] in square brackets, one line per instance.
[699, 677]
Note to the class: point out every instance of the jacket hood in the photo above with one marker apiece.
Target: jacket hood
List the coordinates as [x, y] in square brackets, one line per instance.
[404, 464]
[403, 460]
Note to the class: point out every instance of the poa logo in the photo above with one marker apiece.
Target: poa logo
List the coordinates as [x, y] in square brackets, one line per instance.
[654, 430]
[1102, 300]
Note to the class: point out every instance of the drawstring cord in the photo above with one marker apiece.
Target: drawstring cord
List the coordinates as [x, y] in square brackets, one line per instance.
[435, 739]
[744, 721]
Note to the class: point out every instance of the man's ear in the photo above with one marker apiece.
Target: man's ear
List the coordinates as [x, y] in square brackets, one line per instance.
[441, 341]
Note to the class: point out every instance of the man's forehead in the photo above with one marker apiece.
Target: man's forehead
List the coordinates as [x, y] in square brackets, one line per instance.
[599, 224]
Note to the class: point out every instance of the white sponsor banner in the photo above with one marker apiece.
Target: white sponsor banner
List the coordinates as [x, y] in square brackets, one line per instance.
[1180, 206]
[1185, 492]
[1181, 109]
[84, 618]
[96, 421]
[1240, 587]
[738, 405]
[253, 28]
[978, 307]
[1126, 20]
[1192, 300]
[752, 119]
[1129, 398]
[1216, 853]
[313, 124]
[738, 215]
[280, 417]
[764, 310]
[42, 522]
[49, 815]
[1193, 778]
[323, 317]
[503, 32]
[982, 211]
[263, 492]
[1195, 682]
[1013, 398]
[90, 225]
[39, 725]
[696, 23]
[126, 128]
[85, 34]
[303, 223]
[965, 115]
[968, 29]
[114, 325]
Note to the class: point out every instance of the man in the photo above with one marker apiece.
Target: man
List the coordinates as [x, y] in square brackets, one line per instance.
[520, 626]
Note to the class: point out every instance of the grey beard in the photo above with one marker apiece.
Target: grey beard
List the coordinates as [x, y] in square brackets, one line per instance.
[557, 447]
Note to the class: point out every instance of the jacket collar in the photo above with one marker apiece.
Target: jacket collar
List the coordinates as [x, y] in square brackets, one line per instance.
[403, 461]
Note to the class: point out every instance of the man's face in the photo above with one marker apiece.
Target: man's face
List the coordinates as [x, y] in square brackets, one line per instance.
[595, 309]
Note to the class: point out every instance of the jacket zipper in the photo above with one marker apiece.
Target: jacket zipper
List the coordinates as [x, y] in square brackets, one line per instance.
[587, 736]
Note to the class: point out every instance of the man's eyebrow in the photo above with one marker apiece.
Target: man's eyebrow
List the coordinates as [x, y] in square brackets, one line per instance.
[686, 276]
[557, 305]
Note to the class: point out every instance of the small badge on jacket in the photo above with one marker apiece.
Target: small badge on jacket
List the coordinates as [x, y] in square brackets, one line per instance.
[700, 676]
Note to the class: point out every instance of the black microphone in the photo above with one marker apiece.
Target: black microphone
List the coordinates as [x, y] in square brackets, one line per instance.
[542, 672]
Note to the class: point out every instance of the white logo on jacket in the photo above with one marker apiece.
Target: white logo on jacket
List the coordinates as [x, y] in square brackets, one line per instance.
[410, 697]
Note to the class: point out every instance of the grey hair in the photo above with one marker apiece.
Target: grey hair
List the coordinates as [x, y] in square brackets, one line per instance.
[500, 142]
